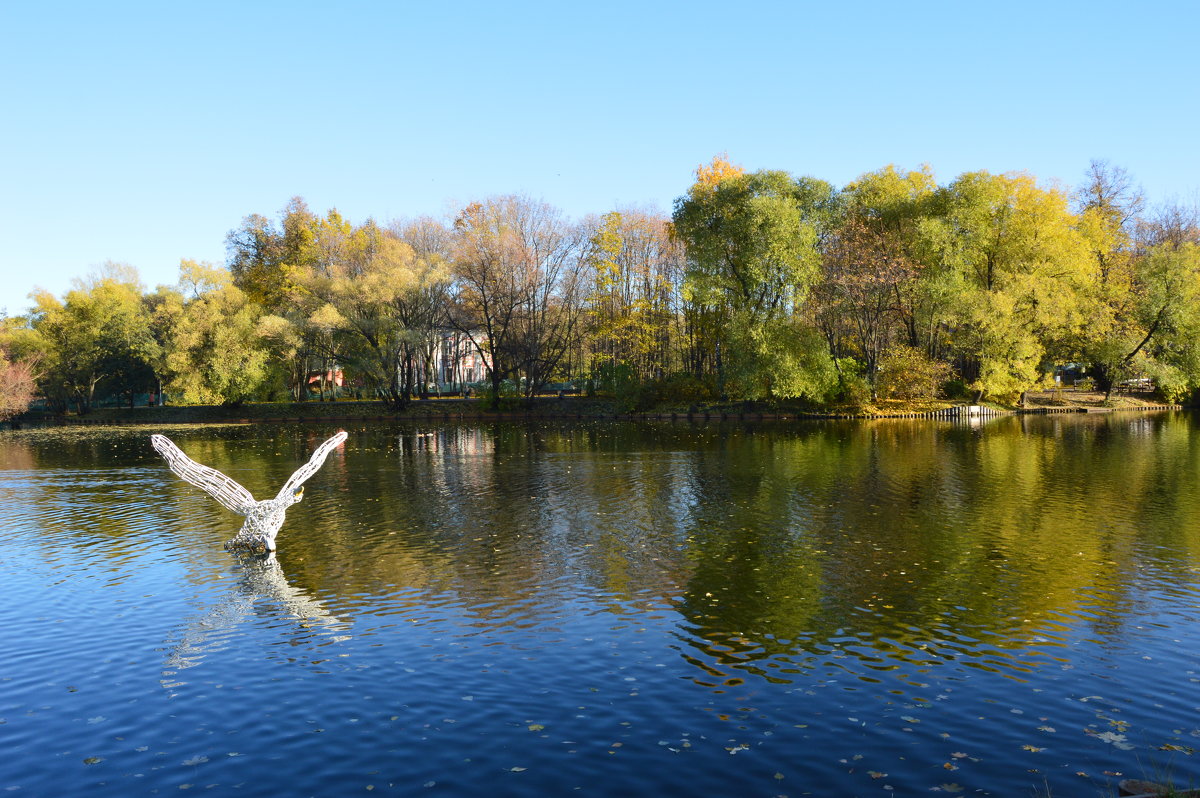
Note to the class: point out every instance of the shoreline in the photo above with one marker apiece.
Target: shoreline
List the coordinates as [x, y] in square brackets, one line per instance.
[563, 409]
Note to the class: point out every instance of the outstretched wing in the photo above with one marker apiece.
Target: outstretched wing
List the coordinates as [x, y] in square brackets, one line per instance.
[209, 480]
[312, 466]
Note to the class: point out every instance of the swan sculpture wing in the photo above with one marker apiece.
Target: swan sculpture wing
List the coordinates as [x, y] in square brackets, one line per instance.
[263, 518]
[312, 466]
[210, 480]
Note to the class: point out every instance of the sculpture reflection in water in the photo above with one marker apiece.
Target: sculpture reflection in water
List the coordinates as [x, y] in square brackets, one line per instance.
[261, 589]
[263, 518]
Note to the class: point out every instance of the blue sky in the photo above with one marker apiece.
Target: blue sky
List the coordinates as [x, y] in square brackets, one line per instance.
[143, 132]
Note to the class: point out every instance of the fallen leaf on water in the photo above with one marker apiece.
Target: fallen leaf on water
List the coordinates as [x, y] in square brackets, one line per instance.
[1173, 747]
[1033, 748]
[1114, 739]
[875, 774]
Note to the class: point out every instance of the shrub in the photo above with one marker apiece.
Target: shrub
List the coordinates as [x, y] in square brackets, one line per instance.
[685, 388]
[852, 388]
[955, 388]
[17, 387]
[906, 372]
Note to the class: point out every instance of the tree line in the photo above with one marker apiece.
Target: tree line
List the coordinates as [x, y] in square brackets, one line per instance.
[759, 285]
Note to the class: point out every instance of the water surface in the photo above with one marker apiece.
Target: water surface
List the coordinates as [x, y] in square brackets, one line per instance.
[893, 607]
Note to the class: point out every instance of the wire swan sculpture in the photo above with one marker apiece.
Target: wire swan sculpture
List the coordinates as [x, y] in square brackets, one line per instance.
[263, 518]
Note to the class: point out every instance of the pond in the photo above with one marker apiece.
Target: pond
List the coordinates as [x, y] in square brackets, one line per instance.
[608, 609]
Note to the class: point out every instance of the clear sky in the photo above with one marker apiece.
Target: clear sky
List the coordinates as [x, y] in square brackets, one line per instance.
[143, 132]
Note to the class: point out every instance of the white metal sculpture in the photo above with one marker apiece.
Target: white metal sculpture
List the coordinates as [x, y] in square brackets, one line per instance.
[263, 518]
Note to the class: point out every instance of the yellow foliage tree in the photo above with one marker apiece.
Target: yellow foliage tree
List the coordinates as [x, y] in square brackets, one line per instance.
[709, 175]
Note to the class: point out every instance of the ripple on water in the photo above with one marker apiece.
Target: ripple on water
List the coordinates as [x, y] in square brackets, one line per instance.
[609, 608]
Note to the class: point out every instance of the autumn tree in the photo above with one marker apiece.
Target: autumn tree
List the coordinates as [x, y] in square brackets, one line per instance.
[517, 288]
[1110, 206]
[1013, 265]
[635, 272]
[425, 306]
[378, 303]
[550, 319]
[865, 272]
[22, 349]
[17, 386]
[1172, 223]
[899, 206]
[215, 354]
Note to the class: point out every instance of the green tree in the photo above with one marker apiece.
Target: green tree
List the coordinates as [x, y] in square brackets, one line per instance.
[1109, 215]
[751, 242]
[1014, 267]
[98, 332]
[1157, 330]
[215, 354]
[266, 259]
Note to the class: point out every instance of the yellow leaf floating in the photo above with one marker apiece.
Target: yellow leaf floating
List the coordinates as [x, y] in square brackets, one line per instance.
[1181, 748]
